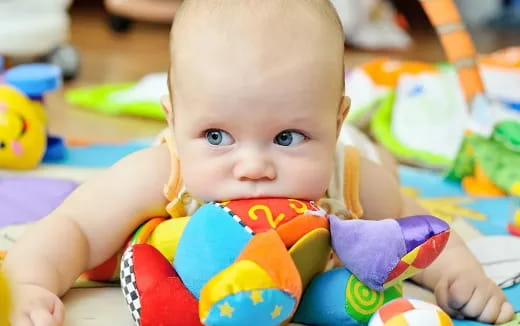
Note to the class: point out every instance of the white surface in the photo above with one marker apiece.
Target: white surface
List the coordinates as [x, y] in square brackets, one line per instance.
[149, 89]
[499, 255]
[502, 83]
[433, 120]
[32, 27]
[370, 24]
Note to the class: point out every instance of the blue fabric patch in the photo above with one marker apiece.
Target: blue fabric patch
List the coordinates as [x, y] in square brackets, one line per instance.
[98, 155]
[430, 183]
[498, 212]
[239, 309]
[211, 241]
[323, 301]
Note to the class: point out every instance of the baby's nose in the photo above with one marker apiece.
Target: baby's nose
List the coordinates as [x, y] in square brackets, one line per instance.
[255, 169]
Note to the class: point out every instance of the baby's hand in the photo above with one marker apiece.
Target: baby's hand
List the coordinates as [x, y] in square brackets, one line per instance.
[470, 293]
[36, 306]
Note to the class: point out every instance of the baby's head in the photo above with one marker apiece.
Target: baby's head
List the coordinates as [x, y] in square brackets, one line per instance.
[256, 97]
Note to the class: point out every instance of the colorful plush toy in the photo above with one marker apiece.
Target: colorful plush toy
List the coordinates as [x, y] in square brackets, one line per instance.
[409, 312]
[22, 130]
[264, 262]
[488, 166]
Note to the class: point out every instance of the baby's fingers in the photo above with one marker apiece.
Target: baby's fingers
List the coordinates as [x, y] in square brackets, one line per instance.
[492, 310]
[470, 300]
[506, 313]
[42, 317]
[21, 320]
[442, 298]
[59, 311]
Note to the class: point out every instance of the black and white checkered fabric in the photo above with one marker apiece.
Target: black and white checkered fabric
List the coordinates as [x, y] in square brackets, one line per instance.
[128, 285]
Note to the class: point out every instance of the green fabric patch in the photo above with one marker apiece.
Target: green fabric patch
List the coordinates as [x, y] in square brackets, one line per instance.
[508, 134]
[362, 302]
[497, 156]
[311, 254]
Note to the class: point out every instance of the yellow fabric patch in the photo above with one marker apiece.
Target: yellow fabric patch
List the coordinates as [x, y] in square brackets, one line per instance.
[311, 254]
[241, 276]
[398, 320]
[409, 272]
[166, 236]
[444, 319]
[409, 258]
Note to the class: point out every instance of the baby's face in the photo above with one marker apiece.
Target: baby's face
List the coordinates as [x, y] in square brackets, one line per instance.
[255, 123]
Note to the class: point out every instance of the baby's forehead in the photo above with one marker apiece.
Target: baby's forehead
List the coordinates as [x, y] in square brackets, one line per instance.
[257, 24]
[229, 41]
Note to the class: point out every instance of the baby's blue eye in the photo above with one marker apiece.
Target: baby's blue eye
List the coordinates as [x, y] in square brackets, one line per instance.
[289, 138]
[218, 137]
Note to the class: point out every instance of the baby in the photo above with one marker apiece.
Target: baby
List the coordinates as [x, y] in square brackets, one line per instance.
[255, 109]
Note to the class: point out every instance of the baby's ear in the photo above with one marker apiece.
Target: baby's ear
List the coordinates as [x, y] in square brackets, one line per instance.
[344, 107]
[167, 107]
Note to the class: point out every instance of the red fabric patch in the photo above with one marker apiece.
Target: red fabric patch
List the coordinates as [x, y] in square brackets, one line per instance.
[398, 270]
[263, 214]
[169, 303]
[150, 267]
[513, 229]
[395, 307]
[164, 298]
[430, 250]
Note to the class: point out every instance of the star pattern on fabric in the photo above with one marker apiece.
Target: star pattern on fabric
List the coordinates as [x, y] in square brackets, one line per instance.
[276, 312]
[256, 297]
[446, 208]
[226, 310]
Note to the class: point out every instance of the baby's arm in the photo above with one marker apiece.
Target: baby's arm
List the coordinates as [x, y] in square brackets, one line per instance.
[458, 280]
[86, 230]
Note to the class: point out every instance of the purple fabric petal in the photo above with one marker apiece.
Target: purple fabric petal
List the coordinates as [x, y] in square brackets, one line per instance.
[369, 249]
[417, 229]
[24, 199]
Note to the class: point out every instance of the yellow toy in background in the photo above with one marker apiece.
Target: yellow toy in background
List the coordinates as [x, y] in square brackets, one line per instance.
[4, 301]
[23, 137]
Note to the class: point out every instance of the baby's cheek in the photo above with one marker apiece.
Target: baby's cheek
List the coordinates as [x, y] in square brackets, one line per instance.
[201, 179]
[311, 178]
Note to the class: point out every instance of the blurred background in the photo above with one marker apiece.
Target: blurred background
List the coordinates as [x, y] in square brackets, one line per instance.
[122, 41]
